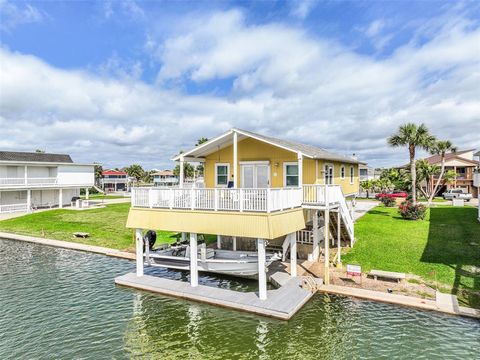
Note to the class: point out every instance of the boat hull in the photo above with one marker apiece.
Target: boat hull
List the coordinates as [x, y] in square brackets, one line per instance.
[225, 262]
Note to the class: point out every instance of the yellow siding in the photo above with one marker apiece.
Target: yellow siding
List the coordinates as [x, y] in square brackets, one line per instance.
[253, 150]
[252, 225]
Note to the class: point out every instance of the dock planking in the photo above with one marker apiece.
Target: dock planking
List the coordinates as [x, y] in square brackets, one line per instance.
[281, 303]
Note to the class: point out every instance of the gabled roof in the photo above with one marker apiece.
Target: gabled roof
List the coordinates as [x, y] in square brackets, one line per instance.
[34, 157]
[437, 159]
[224, 140]
[113, 172]
[163, 173]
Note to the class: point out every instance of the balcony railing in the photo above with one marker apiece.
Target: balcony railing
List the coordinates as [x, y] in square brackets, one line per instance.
[255, 200]
[28, 181]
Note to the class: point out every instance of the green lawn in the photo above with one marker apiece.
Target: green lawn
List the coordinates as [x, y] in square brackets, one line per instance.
[446, 245]
[106, 226]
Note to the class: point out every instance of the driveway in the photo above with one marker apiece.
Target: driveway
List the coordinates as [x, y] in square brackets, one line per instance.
[362, 207]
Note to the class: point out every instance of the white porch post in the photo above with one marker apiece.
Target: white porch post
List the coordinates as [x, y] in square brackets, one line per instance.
[235, 159]
[29, 200]
[293, 255]
[139, 251]
[300, 169]
[339, 228]
[327, 247]
[234, 241]
[219, 241]
[193, 260]
[184, 236]
[316, 236]
[25, 175]
[182, 175]
[87, 193]
[262, 276]
[60, 198]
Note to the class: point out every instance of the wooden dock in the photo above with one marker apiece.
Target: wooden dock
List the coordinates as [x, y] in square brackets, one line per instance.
[281, 303]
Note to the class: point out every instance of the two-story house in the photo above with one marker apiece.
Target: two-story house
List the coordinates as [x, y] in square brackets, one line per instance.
[259, 191]
[29, 181]
[463, 164]
[114, 180]
[165, 178]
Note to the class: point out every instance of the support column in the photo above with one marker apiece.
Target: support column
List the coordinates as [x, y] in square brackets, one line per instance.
[262, 276]
[326, 241]
[60, 198]
[87, 193]
[293, 255]
[235, 159]
[25, 175]
[339, 237]
[300, 169]
[234, 241]
[316, 236]
[184, 236]
[29, 200]
[182, 175]
[139, 251]
[193, 260]
[219, 241]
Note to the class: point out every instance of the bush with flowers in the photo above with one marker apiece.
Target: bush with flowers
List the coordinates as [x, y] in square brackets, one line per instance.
[409, 211]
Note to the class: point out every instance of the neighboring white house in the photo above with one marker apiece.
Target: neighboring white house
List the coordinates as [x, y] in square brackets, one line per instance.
[165, 178]
[366, 172]
[30, 181]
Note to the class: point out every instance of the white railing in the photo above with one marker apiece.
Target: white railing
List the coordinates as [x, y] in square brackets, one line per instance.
[304, 237]
[329, 195]
[13, 208]
[28, 181]
[255, 200]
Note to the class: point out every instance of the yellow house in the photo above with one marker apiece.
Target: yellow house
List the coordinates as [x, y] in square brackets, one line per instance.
[256, 189]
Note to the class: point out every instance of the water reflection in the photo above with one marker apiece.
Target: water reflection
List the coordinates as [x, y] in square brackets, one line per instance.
[62, 304]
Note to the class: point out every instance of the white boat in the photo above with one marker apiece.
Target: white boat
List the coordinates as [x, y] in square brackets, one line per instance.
[234, 263]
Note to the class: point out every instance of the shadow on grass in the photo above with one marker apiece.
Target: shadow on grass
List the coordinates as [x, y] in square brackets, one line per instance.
[454, 240]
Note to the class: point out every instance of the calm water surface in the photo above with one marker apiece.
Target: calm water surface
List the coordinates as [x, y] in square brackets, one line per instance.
[62, 304]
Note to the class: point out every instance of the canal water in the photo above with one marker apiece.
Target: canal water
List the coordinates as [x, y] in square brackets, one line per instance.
[63, 304]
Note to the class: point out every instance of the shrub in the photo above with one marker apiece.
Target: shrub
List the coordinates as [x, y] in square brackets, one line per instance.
[388, 201]
[412, 212]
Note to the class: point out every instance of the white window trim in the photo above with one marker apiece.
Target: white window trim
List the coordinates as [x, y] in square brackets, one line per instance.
[342, 176]
[325, 173]
[216, 174]
[285, 164]
[352, 174]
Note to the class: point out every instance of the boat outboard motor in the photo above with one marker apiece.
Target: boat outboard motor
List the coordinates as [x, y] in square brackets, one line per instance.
[150, 237]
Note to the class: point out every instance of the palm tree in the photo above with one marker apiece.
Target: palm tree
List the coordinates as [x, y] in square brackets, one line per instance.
[440, 148]
[366, 185]
[413, 137]
[135, 171]
[425, 171]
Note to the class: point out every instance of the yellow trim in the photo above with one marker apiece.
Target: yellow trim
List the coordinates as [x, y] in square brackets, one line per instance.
[242, 224]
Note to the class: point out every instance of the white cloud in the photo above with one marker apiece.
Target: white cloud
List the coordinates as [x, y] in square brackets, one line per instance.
[302, 8]
[13, 14]
[284, 82]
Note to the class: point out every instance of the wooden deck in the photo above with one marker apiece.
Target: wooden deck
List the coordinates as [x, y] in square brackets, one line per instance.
[281, 303]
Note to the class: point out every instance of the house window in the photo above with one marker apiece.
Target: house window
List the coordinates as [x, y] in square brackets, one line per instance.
[342, 172]
[290, 171]
[352, 174]
[328, 174]
[221, 174]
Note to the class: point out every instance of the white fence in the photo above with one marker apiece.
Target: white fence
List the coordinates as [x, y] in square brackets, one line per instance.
[13, 208]
[28, 181]
[255, 200]
[304, 237]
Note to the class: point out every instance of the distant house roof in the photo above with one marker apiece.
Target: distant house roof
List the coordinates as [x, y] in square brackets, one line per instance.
[34, 157]
[437, 159]
[477, 153]
[113, 172]
[307, 150]
[164, 173]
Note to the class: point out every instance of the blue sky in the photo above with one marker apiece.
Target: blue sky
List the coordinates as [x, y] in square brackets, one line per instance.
[124, 81]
